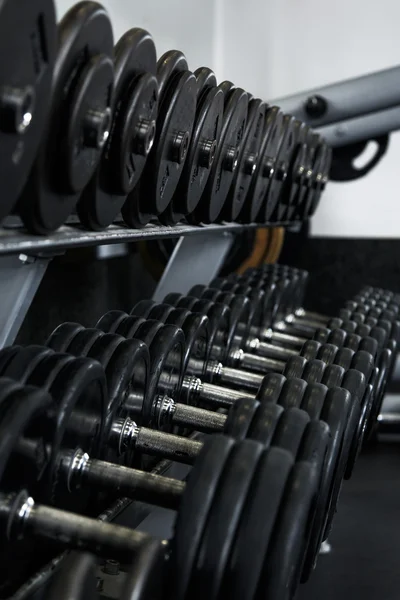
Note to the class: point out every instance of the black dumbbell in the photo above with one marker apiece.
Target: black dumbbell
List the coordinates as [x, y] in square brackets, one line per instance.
[79, 122]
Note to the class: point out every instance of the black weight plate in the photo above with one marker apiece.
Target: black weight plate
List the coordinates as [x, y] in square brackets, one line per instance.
[129, 326]
[317, 168]
[21, 407]
[142, 308]
[284, 155]
[175, 121]
[327, 353]
[240, 417]
[62, 336]
[195, 329]
[344, 357]
[159, 312]
[205, 79]
[200, 156]
[79, 119]
[314, 371]
[292, 392]
[135, 106]
[321, 335]
[79, 393]
[333, 376]
[310, 349]
[258, 520]
[304, 175]
[290, 429]
[295, 366]
[367, 405]
[284, 560]
[21, 366]
[166, 359]
[225, 161]
[337, 337]
[270, 388]
[235, 206]
[110, 321]
[352, 341]
[264, 171]
[28, 47]
[264, 423]
[145, 580]
[199, 496]
[322, 179]
[83, 342]
[363, 362]
[126, 364]
[144, 329]
[313, 399]
[76, 578]
[336, 408]
[6, 355]
[370, 345]
[313, 164]
[223, 519]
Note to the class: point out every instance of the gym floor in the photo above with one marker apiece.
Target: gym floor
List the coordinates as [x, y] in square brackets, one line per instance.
[364, 562]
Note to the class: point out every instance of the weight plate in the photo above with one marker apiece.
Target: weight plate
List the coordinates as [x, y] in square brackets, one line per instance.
[195, 328]
[363, 362]
[338, 337]
[313, 399]
[175, 121]
[75, 579]
[259, 517]
[284, 153]
[63, 335]
[264, 172]
[294, 366]
[290, 430]
[6, 355]
[321, 179]
[158, 312]
[292, 393]
[318, 165]
[79, 120]
[200, 155]
[321, 335]
[327, 353]
[369, 344]
[199, 496]
[110, 321]
[78, 389]
[333, 376]
[129, 326]
[236, 207]
[226, 158]
[240, 417]
[314, 163]
[224, 517]
[82, 343]
[143, 308]
[313, 371]
[28, 47]
[131, 133]
[270, 388]
[282, 566]
[145, 579]
[20, 408]
[310, 349]
[335, 411]
[21, 366]
[264, 423]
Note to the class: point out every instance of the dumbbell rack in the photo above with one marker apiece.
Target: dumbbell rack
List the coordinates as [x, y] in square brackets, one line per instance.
[24, 259]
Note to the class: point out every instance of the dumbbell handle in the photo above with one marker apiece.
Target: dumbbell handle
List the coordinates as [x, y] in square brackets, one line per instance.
[80, 470]
[19, 515]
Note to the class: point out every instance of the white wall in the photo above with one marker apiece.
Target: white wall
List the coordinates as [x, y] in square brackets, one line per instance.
[278, 47]
[299, 44]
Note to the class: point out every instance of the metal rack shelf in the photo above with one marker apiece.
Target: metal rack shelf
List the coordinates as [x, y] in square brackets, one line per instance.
[16, 240]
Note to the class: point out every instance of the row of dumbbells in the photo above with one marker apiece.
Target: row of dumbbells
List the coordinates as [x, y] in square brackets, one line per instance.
[316, 413]
[107, 131]
[133, 385]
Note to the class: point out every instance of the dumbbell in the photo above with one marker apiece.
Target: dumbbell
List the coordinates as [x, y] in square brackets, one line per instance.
[28, 48]
[227, 484]
[79, 122]
[132, 131]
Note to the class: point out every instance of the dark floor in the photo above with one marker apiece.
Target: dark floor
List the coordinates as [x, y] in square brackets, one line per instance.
[364, 563]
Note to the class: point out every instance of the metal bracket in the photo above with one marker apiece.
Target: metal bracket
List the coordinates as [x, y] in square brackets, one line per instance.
[195, 259]
[21, 276]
